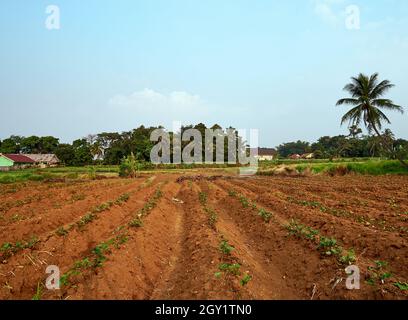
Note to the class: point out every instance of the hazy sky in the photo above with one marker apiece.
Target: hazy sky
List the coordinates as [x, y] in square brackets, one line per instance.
[277, 66]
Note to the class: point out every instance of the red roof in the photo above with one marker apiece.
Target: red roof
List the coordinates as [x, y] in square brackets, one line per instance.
[19, 158]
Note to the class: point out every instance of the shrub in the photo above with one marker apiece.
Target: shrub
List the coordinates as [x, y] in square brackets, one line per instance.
[130, 167]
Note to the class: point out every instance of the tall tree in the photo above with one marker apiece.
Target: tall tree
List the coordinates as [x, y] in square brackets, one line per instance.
[368, 102]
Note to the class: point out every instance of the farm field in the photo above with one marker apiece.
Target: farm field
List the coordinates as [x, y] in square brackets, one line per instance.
[205, 234]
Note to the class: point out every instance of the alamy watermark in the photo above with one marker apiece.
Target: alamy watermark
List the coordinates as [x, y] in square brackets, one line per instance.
[53, 19]
[352, 21]
[189, 146]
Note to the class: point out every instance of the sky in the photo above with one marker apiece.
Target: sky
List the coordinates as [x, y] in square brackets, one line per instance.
[275, 66]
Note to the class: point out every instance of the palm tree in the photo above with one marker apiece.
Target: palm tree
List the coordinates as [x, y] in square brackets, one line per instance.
[368, 102]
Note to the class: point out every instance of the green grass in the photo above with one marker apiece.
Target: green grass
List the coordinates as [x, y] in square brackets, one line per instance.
[365, 166]
[371, 167]
[36, 174]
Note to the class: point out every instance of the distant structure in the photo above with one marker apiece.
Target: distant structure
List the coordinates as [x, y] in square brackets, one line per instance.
[14, 161]
[307, 156]
[295, 156]
[47, 160]
[22, 161]
[266, 154]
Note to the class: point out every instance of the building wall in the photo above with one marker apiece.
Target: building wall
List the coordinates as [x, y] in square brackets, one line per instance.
[4, 162]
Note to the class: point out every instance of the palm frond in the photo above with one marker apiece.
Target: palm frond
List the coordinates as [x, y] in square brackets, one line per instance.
[353, 116]
[387, 104]
[347, 101]
[381, 89]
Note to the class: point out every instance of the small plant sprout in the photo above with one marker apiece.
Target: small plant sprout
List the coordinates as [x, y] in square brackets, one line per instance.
[230, 268]
[402, 286]
[38, 294]
[225, 247]
[349, 258]
[202, 196]
[329, 245]
[61, 231]
[265, 215]
[244, 281]
[136, 223]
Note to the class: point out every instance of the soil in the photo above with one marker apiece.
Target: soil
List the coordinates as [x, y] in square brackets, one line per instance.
[175, 252]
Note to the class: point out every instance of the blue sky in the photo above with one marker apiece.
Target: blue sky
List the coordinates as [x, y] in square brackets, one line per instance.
[277, 66]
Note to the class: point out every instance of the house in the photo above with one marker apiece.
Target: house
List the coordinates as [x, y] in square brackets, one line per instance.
[44, 160]
[307, 156]
[10, 161]
[295, 156]
[265, 154]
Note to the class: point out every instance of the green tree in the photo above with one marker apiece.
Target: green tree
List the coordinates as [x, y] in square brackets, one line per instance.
[368, 102]
[11, 145]
[48, 144]
[66, 154]
[83, 155]
[298, 147]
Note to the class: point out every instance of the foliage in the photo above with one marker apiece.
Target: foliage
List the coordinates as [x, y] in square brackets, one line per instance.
[130, 167]
[225, 247]
[244, 281]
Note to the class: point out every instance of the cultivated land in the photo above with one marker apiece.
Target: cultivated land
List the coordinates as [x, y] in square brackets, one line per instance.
[205, 235]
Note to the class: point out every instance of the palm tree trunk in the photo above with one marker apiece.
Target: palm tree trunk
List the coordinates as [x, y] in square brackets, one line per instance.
[390, 148]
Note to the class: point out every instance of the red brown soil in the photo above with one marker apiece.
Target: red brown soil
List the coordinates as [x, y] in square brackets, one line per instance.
[175, 254]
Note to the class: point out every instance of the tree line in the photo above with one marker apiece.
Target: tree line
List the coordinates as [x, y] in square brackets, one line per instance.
[111, 147]
[354, 145]
[108, 148]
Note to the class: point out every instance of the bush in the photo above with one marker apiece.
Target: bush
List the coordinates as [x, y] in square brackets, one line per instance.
[130, 167]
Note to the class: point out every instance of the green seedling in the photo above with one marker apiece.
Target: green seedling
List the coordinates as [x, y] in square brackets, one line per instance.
[225, 247]
[401, 286]
[349, 258]
[265, 215]
[244, 281]
[38, 294]
[230, 268]
[136, 223]
[202, 196]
